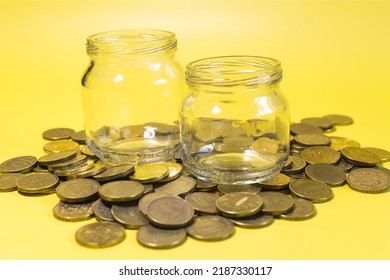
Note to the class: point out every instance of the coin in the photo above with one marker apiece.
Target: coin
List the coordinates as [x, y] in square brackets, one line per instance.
[144, 202]
[322, 123]
[79, 137]
[18, 164]
[276, 203]
[102, 211]
[265, 145]
[338, 143]
[69, 164]
[203, 202]
[121, 191]
[297, 165]
[312, 190]
[8, 181]
[86, 151]
[329, 174]
[100, 234]
[180, 186]
[128, 215]
[153, 237]
[258, 220]
[60, 145]
[304, 128]
[55, 158]
[211, 228]
[359, 156]
[303, 210]
[37, 183]
[275, 182]
[69, 171]
[234, 205]
[205, 186]
[170, 212]
[148, 173]
[338, 119]
[175, 170]
[73, 212]
[115, 172]
[368, 180]
[97, 168]
[320, 154]
[382, 154]
[312, 140]
[229, 188]
[78, 190]
[345, 165]
[57, 133]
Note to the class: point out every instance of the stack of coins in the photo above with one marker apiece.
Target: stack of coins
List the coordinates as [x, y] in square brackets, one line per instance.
[166, 205]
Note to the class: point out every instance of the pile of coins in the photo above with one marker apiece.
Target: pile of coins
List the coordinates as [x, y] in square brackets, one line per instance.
[165, 204]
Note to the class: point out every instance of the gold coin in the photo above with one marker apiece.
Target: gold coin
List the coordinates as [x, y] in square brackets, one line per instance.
[303, 210]
[329, 174]
[297, 165]
[97, 168]
[73, 212]
[229, 188]
[275, 182]
[129, 215]
[203, 202]
[258, 220]
[338, 143]
[144, 202]
[78, 190]
[100, 234]
[304, 128]
[322, 123]
[18, 164]
[265, 145]
[102, 211]
[55, 158]
[382, 154]
[175, 170]
[37, 183]
[276, 203]
[211, 228]
[61, 145]
[69, 164]
[153, 237]
[204, 185]
[359, 156]
[8, 181]
[368, 180]
[121, 191]
[114, 173]
[312, 190]
[75, 170]
[148, 173]
[234, 205]
[338, 119]
[180, 186]
[320, 154]
[312, 140]
[57, 133]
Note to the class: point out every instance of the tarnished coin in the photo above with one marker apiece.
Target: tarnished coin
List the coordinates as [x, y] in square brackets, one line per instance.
[18, 164]
[235, 205]
[57, 133]
[303, 210]
[329, 174]
[297, 165]
[211, 228]
[102, 211]
[276, 203]
[275, 182]
[79, 137]
[78, 190]
[258, 220]
[345, 165]
[180, 186]
[368, 180]
[144, 202]
[8, 181]
[228, 188]
[312, 140]
[61, 145]
[304, 128]
[312, 190]
[69, 164]
[55, 158]
[382, 154]
[175, 170]
[170, 212]
[100, 234]
[338, 119]
[203, 202]
[149, 173]
[322, 123]
[205, 186]
[338, 143]
[148, 188]
[97, 168]
[89, 164]
[359, 156]
[73, 212]
[128, 215]
[121, 191]
[153, 237]
[320, 154]
[38, 183]
[115, 172]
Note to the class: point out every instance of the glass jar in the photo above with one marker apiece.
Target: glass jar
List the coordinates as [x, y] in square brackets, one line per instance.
[235, 121]
[131, 93]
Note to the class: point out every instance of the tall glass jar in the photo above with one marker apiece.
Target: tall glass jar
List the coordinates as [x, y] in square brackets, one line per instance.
[235, 121]
[131, 93]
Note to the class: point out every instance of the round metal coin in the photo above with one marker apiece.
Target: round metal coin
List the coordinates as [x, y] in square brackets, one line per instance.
[338, 143]
[100, 234]
[320, 154]
[153, 237]
[322, 123]
[79, 137]
[359, 156]
[149, 173]
[258, 220]
[297, 165]
[115, 172]
[55, 158]
[128, 215]
[211, 228]
[121, 191]
[303, 210]
[368, 180]
[238, 204]
[102, 211]
[382, 154]
[61, 145]
[228, 188]
[57, 133]
[144, 202]
[276, 203]
[312, 139]
[180, 186]
[73, 212]
[175, 170]
[8, 181]
[304, 128]
[203, 202]
[37, 183]
[276, 182]
[18, 164]
[338, 119]
[312, 190]
[78, 190]
[329, 174]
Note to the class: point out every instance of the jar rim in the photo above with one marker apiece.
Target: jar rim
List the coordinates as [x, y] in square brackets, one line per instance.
[131, 41]
[233, 70]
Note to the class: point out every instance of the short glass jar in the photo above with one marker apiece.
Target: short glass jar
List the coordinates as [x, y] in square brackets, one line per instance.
[235, 121]
[131, 93]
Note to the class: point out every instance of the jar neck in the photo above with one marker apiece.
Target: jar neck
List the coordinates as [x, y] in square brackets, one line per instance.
[223, 73]
[131, 44]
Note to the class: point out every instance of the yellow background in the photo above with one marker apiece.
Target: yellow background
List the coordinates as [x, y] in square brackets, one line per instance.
[336, 59]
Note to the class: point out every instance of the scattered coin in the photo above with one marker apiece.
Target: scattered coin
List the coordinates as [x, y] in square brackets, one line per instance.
[276, 203]
[153, 237]
[18, 164]
[235, 205]
[170, 212]
[258, 220]
[180, 186]
[304, 128]
[203, 202]
[359, 156]
[69, 164]
[100, 234]
[79, 137]
[297, 165]
[72, 171]
[61, 145]
[129, 215]
[73, 212]
[121, 191]
[312, 140]
[320, 154]
[97, 168]
[228, 188]
[205, 186]
[37, 183]
[276, 182]
[144, 202]
[8, 181]
[57, 133]
[175, 170]
[149, 173]
[338, 143]
[102, 211]
[322, 123]
[55, 158]
[338, 119]
[303, 210]
[211, 228]
[382, 154]
[329, 174]
[86, 151]
[345, 165]
[368, 180]
[78, 190]
[312, 190]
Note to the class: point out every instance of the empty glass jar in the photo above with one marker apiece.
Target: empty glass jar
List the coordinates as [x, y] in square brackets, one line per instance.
[235, 120]
[131, 93]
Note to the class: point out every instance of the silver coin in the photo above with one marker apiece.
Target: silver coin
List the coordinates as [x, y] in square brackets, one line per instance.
[211, 228]
[153, 237]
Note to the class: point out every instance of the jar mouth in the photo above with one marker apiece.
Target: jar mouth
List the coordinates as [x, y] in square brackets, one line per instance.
[233, 71]
[128, 42]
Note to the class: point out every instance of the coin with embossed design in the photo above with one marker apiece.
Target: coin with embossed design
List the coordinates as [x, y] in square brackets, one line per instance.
[58, 133]
[73, 212]
[102, 210]
[121, 191]
[37, 183]
[312, 190]
[359, 156]
[239, 204]
[203, 202]
[329, 174]
[275, 182]
[78, 190]
[100, 234]
[276, 203]
[18, 164]
[303, 210]
[211, 228]
[149, 173]
[8, 181]
[153, 237]
[144, 202]
[61, 145]
[129, 215]
[180, 186]
[382, 154]
[320, 154]
[368, 180]
[338, 143]
[115, 172]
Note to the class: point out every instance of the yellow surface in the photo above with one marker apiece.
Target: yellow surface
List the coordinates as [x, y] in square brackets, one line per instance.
[336, 59]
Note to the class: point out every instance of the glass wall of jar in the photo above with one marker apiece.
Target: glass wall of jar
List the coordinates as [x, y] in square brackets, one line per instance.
[131, 93]
[235, 121]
